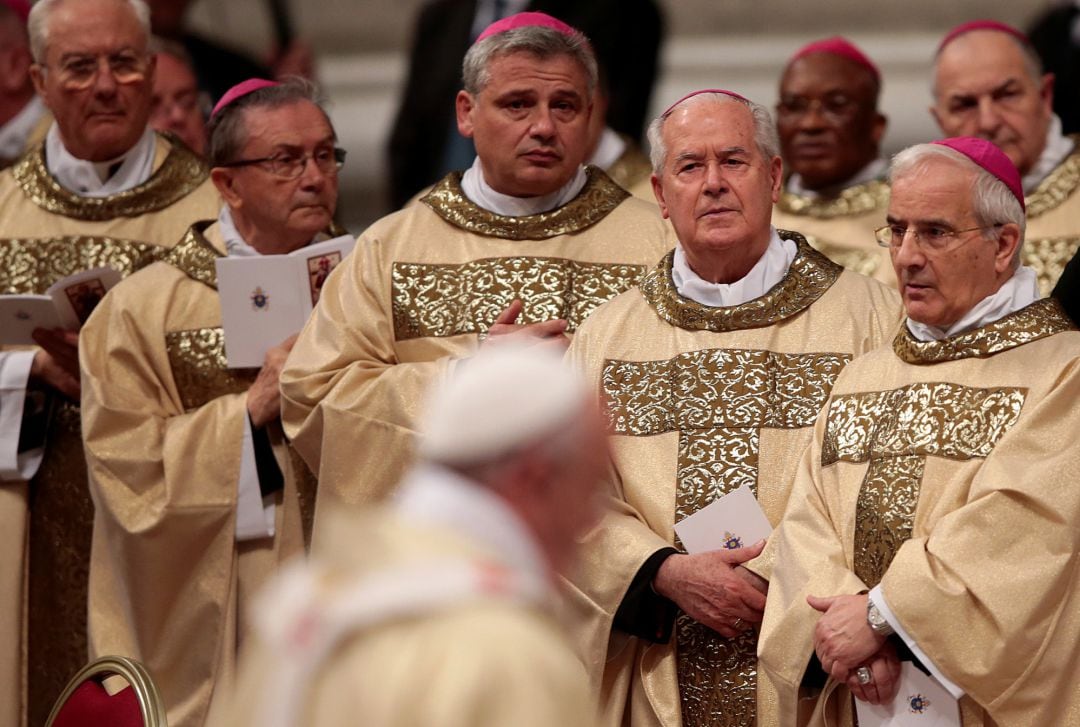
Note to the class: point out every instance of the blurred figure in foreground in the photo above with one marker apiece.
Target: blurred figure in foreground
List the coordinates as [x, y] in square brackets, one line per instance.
[437, 609]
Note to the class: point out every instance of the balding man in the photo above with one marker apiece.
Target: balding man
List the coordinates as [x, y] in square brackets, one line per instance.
[830, 138]
[937, 509]
[527, 242]
[102, 189]
[988, 82]
[713, 371]
[438, 608]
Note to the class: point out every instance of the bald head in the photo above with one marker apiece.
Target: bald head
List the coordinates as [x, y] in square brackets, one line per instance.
[988, 83]
[827, 118]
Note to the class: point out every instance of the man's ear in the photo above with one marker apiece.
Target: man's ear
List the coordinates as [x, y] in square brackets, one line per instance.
[463, 105]
[776, 172]
[659, 192]
[37, 75]
[225, 181]
[1007, 245]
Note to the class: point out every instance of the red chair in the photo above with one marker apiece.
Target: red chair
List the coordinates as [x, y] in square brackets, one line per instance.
[85, 702]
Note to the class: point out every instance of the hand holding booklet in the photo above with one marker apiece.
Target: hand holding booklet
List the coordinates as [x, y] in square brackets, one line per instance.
[266, 299]
[920, 701]
[735, 520]
[67, 303]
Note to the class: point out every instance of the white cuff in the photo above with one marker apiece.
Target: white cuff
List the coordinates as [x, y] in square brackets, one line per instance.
[14, 376]
[254, 517]
[877, 597]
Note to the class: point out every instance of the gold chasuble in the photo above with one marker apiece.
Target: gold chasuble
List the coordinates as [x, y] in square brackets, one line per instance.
[1053, 221]
[843, 227]
[945, 472]
[163, 420]
[420, 288]
[633, 171]
[47, 233]
[701, 401]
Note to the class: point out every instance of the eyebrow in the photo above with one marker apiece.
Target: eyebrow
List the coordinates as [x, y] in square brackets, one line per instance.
[929, 223]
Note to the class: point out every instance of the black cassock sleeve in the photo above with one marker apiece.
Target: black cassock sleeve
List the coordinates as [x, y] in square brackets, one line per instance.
[644, 612]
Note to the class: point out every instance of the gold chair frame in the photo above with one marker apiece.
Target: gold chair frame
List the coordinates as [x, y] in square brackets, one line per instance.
[150, 704]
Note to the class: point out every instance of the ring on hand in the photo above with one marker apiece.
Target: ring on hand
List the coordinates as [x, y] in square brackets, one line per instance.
[863, 675]
[737, 624]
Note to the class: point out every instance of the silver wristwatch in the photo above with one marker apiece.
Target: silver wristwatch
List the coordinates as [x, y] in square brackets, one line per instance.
[877, 622]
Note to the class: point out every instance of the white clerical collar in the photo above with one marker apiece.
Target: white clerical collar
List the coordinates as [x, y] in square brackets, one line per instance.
[15, 133]
[769, 270]
[92, 179]
[874, 170]
[435, 495]
[477, 189]
[1019, 291]
[235, 245]
[608, 150]
[1058, 146]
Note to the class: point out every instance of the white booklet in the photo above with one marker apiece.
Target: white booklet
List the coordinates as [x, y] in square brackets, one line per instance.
[921, 701]
[735, 520]
[267, 298]
[67, 303]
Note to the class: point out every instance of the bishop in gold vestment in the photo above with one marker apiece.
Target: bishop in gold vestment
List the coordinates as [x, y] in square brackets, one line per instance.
[48, 232]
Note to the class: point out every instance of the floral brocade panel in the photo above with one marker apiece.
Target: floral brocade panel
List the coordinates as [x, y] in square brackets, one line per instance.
[28, 266]
[895, 431]
[718, 400]
[200, 369]
[449, 300]
[1048, 258]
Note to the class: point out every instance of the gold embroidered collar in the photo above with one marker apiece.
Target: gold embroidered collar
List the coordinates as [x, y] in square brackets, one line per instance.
[180, 173]
[194, 255]
[1040, 319]
[1057, 187]
[596, 199]
[807, 279]
[856, 200]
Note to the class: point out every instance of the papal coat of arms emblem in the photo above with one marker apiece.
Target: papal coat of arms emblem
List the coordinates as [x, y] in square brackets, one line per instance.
[260, 300]
[918, 704]
[732, 541]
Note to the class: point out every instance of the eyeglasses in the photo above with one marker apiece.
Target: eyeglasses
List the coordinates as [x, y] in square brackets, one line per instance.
[291, 166]
[77, 73]
[932, 238]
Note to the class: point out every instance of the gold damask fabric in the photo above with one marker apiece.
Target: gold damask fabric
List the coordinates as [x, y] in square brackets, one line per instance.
[593, 203]
[32, 265]
[1058, 186]
[700, 402]
[163, 419]
[1053, 221]
[936, 477]
[810, 275]
[451, 300]
[1042, 318]
[422, 288]
[872, 196]
[633, 171]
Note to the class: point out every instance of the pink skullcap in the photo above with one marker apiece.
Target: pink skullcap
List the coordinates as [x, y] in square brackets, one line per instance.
[240, 90]
[19, 7]
[525, 20]
[982, 25]
[838, 46]
[698, 93]
[988, 156]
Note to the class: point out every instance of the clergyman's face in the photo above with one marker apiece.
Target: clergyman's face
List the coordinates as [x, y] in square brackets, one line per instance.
[530, 123]
[175, 105]
[827, 121]
[984, 88]
[96, 77]
[716, 187]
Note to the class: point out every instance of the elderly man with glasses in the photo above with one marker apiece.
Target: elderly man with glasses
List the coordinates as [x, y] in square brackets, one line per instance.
[167, 424]
[102, 189]
[935, 515]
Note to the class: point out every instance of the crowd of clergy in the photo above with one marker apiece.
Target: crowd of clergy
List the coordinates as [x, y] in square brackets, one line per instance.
[451, 498]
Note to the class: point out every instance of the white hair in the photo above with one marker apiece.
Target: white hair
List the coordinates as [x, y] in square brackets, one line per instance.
[38, 23]
[540, 41]
[992, 202]
[765, 136]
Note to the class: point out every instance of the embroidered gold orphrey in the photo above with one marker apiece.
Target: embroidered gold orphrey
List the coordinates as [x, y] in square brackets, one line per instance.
[1049, 256]
[30, 265]
[718, 400]
[853, 201]
[895, 431]
[449, 300]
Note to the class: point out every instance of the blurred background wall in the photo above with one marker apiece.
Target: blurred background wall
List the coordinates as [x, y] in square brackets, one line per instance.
[361, 48]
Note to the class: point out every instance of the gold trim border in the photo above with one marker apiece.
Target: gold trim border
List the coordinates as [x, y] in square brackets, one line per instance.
[151, 705]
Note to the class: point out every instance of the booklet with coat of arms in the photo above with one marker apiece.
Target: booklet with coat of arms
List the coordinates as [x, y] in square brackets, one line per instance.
[67, 303]
[267, 298]
[735, 520]
[921, 701]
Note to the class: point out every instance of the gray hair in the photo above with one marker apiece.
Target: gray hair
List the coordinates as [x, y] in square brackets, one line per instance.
[1033, 65]
[765, 135]
[38, 23]
[992, 202]
[540, 41]
[227, 128]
